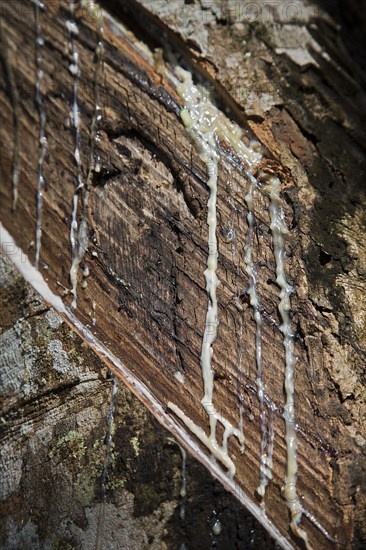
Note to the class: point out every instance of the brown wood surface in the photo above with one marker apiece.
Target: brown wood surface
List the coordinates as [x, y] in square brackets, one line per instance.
[147, 240]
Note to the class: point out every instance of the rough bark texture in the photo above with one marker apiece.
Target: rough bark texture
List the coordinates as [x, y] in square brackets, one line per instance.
[286, 77]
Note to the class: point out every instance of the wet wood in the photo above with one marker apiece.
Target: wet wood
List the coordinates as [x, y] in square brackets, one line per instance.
[147, 228]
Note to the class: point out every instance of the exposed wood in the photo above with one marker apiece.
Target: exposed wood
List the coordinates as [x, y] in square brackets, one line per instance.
[147, 219]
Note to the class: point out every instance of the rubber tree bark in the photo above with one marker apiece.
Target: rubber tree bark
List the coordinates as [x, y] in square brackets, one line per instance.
[282, 74]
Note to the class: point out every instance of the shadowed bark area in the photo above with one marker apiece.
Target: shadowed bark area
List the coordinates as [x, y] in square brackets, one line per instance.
[286, 78]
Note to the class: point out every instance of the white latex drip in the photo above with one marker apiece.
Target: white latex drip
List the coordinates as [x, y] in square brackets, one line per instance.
[208, 127]
[183, 486]
[265, 472]
[42, 147]
[240, 376]
[211, 444]
[318, 525]
[16, 174]
[79, 235]
[268, 454]
[94, 308]
[180, 377]
[217, 528]
[230, 237]
[107, 460]
[211, 121]
[279, 229]
[74, 69]
[183, 479]
[202, 121]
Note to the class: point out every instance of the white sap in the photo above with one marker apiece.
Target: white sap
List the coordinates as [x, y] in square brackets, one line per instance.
[42, 145]
[202, 120]
[208, 126]
[279, 229]
[74, 69]
[229, 236]
[183, 486]
[79, 234]
[265, 472]
[217, 528]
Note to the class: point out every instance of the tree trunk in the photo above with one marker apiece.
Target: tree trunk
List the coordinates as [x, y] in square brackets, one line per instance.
[97, 96]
